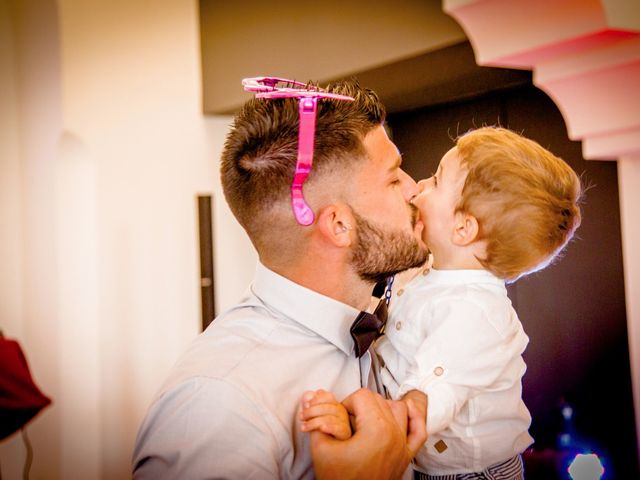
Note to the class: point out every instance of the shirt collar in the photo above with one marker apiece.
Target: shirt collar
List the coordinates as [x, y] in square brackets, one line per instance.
[459, 277]
[323, 315]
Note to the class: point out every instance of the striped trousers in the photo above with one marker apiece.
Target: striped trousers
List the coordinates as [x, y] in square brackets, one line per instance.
[512, 469]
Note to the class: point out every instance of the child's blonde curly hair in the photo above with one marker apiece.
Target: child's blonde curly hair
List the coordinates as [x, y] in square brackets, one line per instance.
[526, 200]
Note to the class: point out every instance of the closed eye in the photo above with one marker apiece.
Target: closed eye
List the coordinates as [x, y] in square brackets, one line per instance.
[435, 179]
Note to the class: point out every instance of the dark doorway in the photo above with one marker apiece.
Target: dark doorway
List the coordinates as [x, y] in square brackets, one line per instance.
[573, 311]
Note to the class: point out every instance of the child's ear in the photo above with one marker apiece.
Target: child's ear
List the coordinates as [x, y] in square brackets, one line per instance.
[466, 229]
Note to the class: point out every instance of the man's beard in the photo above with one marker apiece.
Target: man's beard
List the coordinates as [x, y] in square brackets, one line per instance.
[378, 254]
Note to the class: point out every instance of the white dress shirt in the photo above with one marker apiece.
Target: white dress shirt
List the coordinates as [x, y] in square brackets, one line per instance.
[229, 409]
[454, 335]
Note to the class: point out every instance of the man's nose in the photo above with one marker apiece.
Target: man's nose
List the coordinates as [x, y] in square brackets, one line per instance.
[421, 185]
[409, 186]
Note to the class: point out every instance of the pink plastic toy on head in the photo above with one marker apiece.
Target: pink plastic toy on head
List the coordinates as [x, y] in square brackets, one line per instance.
[307, 95]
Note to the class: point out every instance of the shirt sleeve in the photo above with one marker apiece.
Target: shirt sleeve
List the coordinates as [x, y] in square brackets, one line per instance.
[462, 355]
[205, 428]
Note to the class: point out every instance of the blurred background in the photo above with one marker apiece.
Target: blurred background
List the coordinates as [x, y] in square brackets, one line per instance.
[117, 247]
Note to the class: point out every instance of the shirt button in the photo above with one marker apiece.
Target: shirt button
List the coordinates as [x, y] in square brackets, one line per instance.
[398, 325]
[438, 371]
[400, 292]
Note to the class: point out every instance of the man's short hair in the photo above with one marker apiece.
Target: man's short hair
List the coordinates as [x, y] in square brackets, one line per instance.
[526, 200]
[260, 153]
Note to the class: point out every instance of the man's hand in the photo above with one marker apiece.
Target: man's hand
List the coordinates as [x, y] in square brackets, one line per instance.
[387, 436]
[417, 403]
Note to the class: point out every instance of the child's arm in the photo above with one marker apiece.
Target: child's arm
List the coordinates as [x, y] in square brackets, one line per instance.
[321, 411]
[455, 367]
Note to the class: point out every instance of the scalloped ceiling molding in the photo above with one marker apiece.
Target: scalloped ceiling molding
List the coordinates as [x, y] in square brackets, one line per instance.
[585, 54]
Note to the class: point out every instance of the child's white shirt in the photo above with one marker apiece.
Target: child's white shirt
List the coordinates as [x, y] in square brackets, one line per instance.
[454, 335]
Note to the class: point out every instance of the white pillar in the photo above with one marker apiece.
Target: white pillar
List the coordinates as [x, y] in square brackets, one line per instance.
[629, 191]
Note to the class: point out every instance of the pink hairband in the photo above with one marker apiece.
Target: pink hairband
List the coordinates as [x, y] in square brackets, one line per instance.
[307, 95]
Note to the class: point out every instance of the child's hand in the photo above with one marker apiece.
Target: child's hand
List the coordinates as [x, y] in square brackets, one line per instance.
[321, 411]
[417, 403]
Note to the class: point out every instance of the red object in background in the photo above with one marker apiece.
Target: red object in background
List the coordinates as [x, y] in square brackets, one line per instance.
[20, 398]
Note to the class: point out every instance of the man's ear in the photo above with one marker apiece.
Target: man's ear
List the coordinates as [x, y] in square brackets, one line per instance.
[466, 229]
[335, 223]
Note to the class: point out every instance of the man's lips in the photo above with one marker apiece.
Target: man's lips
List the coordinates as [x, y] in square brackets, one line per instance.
[416, 222]
[418, 225]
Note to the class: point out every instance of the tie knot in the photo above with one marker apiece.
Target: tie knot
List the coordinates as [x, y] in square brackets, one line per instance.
[367, 327]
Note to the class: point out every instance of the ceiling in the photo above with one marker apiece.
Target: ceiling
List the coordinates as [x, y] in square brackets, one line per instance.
[409, 51]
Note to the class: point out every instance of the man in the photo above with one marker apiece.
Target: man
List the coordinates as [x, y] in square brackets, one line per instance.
[230, 407]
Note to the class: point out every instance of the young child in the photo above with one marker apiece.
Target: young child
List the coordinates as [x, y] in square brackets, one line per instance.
[499, 207]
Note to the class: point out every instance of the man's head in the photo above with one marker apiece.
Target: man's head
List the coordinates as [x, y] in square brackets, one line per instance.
[378, 197]
[507, 193]
[259, 159]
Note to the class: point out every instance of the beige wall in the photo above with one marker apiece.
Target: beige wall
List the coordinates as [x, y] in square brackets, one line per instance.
[312, 40]
[104, 149]
[36, 119]
[11, 309]
[11, 206]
